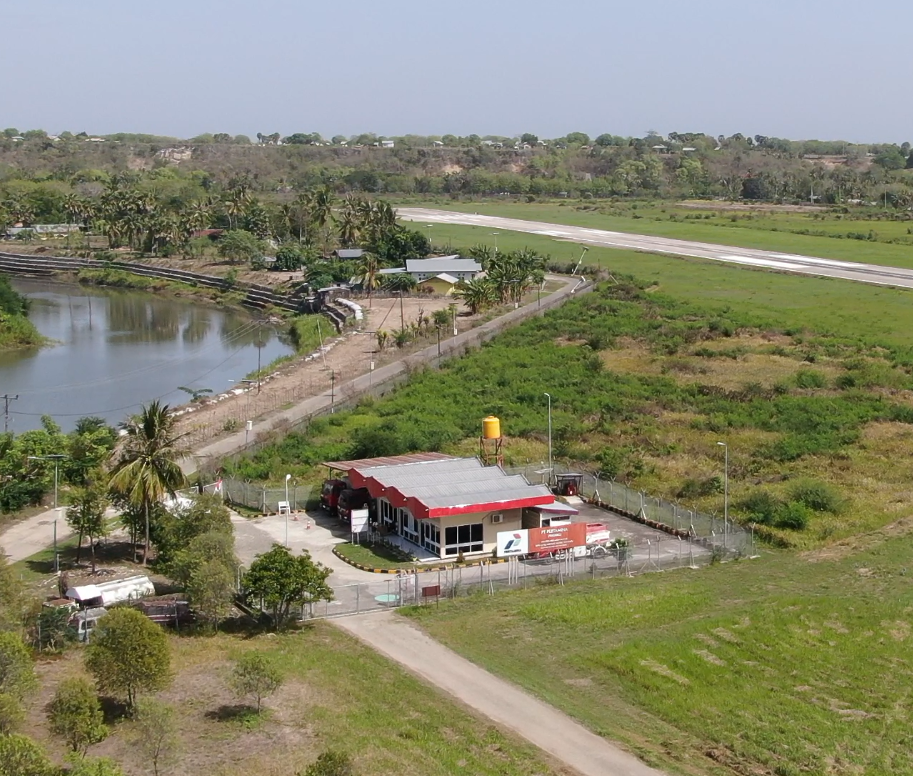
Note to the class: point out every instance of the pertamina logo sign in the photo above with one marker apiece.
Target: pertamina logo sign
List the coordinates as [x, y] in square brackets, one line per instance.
[558, 537]
[513, 543]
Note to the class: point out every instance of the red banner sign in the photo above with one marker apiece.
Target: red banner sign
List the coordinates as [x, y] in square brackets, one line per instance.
[557, 537]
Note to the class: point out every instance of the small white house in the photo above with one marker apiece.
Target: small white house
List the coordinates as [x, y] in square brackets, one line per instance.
[386, 144]
[453, 266]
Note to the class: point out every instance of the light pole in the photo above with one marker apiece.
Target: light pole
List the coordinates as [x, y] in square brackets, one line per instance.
[725, 485]
[495, 235]
[453, 318]
[549, 438]
[428, 227]
[56, 459]
[288, 507]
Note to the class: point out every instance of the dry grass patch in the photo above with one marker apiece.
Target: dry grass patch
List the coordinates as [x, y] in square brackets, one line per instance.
[336, 694]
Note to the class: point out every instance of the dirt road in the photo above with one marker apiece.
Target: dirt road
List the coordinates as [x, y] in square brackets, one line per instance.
[343, 357]
[500, 701]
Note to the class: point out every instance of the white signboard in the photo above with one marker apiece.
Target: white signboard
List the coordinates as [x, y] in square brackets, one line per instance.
[513, 543]
[359, 520]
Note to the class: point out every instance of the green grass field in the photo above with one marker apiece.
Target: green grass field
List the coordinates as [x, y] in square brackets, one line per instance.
[768, 231]
[875, 314]
[785, 665]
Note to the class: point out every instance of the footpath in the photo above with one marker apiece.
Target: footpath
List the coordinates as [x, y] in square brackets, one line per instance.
[500, 701]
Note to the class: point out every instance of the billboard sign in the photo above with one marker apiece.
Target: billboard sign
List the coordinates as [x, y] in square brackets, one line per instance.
[359, 521]
[556, 537]
[513, 543]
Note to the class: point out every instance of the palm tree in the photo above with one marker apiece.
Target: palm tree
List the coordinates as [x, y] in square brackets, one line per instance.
[369, 273]
[147, 468]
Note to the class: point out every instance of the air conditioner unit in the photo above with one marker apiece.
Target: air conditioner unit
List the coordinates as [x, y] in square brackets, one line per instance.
[497, 518]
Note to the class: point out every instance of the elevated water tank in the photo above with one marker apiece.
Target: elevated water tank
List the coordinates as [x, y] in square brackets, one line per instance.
[491, 428]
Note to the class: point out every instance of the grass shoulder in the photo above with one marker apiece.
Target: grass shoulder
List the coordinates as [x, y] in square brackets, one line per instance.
[782, 656]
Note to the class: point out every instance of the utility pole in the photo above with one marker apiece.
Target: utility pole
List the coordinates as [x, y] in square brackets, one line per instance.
[332, 391]
[259, 351]
[402, 317]
[6, 411]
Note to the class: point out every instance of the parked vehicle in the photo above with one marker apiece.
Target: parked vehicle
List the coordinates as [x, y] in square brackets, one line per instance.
[113, 592]
[329, 494]
[349, 499]
[168, 611]
[86, 621]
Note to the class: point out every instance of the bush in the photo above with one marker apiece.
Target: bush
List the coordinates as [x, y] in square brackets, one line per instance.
[794, 516]
[810, 378]
[817, 496]
[693, 488]
[761, 507]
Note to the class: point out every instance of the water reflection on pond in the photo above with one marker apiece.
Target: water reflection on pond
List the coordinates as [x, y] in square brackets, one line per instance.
[116, 350]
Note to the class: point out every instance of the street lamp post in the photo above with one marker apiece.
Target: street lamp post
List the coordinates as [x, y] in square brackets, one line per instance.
[56, 459]
[287, 507]
[725, 485]
[550, 467]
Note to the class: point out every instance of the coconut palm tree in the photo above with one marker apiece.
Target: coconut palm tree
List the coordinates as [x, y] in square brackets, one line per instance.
[369, 273]
[147, 466]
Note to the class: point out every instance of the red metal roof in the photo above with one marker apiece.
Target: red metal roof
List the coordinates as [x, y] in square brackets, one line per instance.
[392, 460]
[434, 485]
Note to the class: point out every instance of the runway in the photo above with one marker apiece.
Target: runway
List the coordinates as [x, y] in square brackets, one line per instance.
[750, 257]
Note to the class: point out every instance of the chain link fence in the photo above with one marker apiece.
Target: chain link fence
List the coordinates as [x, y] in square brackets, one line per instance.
[715, 531]
[266, 500]
[409, 587]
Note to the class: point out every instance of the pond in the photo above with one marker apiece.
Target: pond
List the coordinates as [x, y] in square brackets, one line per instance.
[114, 351]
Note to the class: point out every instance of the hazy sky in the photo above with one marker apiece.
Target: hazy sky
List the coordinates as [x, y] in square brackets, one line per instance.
[801, 69]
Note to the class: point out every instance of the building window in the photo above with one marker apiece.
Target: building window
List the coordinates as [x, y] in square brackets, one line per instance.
[463, 538]
[431, 537]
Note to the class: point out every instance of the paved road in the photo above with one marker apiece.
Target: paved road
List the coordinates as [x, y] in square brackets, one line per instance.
[24, 539]
[771, 260]
[500, 701]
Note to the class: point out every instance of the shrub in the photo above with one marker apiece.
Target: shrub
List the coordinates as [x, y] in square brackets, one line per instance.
[817, 496]
[810, 378]
[694, 488]
[794, 516]
[760, 506]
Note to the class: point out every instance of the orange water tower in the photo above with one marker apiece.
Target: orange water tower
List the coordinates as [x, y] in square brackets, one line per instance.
[491, 442]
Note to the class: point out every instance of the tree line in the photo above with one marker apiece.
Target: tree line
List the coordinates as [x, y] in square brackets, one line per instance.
[39, 174]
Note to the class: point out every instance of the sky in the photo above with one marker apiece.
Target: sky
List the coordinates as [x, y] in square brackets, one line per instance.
[801, 69]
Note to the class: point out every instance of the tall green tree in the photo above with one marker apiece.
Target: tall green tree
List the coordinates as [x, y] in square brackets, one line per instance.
[240, 246]
[86, 513]
[75, 715]
[147, 467]
[282, 580]
[128, 654]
